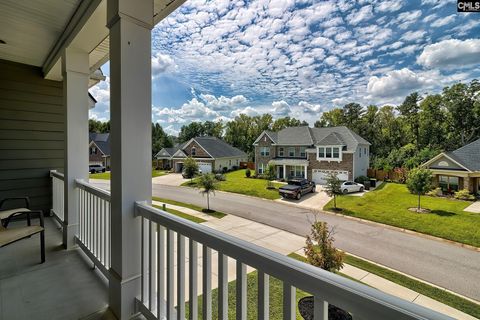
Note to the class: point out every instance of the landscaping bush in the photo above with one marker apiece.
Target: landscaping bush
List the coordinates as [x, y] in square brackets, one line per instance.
[464, 195]
[437, 192]
[220, 177]
[234, 168]
[248, 173]
[225, 170]
[361, 179]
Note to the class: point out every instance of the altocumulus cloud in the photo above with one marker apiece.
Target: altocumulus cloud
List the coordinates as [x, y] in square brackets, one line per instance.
[450, 53]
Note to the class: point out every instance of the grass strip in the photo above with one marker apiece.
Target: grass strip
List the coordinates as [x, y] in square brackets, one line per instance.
[215, 214]
[182, 214]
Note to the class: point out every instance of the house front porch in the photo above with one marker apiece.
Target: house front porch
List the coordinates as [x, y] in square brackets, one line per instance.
[451, 182]
[290, 168]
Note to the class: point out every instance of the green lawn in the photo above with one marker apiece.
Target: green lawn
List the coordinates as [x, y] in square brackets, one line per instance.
[236, 182]
[216, 214]
[437, 294]
[390, 205]
[182, 215]
[106, 175]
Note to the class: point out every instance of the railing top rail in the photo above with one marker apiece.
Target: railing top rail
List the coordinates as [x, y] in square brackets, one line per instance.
[361, 300]
[56, 174]
[103, 194]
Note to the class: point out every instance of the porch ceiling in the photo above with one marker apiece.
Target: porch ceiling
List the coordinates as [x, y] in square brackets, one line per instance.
[35, 32]
[289, 162]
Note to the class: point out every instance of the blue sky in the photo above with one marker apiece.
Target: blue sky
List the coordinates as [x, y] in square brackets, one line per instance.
[212, 60]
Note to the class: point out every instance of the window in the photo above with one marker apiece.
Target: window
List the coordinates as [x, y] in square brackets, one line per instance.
[291, 152]
[194, 151]
[281, 152]
[336, 153]
[93, 150]
[329, 153]
[302, 152]
[447, 183]
[264, 151]
[321, 152]
[230, 162]
[297, 171]
[360, 153]
[260, 168]
[365, 151]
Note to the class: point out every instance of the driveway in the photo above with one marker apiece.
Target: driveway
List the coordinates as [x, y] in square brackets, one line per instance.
[171, 179]
[446, 265]
[315, 201]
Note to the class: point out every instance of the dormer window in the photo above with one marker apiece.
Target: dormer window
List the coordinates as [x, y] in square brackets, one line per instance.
[193, 152]
[329, 153]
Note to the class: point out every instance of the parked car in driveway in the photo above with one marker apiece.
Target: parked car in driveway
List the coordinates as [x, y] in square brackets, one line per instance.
[296, 188]
[351, 186]
[96, 168]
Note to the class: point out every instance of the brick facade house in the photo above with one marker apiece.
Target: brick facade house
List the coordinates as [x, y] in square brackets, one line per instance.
[99, 149]
[313, 153]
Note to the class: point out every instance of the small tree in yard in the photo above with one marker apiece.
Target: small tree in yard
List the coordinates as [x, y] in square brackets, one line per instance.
[248, 173]
[190, 167]
[319, 248]
[419, 182]
[208, 184]
[333, 188]
[270, 175]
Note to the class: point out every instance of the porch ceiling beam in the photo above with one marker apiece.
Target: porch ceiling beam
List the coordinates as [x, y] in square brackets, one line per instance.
[164, 12]
[83, 12]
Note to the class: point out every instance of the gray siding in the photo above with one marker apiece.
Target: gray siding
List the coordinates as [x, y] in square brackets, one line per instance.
[362, 161]
[31, 133]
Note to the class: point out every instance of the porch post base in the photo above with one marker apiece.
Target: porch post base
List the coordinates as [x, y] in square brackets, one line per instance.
[69, 233]
[121, 292]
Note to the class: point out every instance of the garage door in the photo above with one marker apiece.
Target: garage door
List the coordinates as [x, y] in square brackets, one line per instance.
[320, 176]
[205, 167]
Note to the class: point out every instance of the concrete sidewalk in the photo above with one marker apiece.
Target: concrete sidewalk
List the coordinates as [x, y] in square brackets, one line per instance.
[285, 242]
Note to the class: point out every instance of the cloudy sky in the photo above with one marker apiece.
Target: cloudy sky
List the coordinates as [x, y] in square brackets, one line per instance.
[212, 60]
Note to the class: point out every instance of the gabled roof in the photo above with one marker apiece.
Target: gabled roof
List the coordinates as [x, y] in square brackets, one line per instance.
[102, 140]
[468, 155]
[305, 136]
[218, 148]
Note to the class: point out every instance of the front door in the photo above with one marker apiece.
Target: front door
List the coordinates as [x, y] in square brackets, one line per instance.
[280, 172]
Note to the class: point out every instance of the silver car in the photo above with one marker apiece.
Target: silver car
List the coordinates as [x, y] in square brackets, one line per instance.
[351, 186]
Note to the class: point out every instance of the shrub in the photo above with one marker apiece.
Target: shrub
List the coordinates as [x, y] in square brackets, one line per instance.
[419, 182]
[435, 192]
[220, 177]
[225, 170]
[464, 195]
[319, 248]
[362, 179]
[248, 173]
[190, 167]
[234, 168]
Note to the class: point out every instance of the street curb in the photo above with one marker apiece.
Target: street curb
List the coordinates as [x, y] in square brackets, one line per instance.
[411, 277]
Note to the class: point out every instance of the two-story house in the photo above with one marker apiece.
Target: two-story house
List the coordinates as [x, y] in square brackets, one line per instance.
[313, 153]
[99, 149]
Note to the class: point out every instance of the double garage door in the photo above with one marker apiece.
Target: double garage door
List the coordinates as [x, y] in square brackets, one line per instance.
[204, 167]
[320, 176]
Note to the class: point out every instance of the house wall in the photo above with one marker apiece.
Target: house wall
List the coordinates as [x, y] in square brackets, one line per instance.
[362, 161]
[264, 159]
[200, 153]
[345, 165]
[31, 133]
[229, 163]
[95, 158]
[445, 164]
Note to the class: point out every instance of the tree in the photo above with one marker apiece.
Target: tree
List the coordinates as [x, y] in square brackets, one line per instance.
[319, 248]
[190, 168]
[160, 139]
[409, 110]
[286, 122]
[192, 130]
[208, 184]
[98, 126]
[270, 175]
[333, 188]
[419, 182]
[352, 115]
[332, 118]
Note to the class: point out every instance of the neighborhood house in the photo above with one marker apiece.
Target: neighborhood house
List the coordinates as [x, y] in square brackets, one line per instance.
[99, 149]
[211, 154]
[457, 170]
[313, 153]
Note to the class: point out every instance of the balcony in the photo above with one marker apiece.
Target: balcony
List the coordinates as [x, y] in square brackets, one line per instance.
[181, 264]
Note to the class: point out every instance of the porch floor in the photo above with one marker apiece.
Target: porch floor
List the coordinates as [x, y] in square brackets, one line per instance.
[64, 287]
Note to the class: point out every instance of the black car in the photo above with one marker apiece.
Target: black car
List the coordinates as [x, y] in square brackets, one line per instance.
[296, 188]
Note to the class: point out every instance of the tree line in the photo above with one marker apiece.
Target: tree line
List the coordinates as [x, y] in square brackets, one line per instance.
[401, 136]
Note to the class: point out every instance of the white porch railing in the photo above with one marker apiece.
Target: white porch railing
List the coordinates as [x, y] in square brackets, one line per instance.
[94, 224]
[163, 292]
[57, 196]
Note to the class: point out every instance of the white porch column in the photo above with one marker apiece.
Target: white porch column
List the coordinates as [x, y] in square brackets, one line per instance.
[75, 72]
[130, 24]
[284, 171]
[306, 170]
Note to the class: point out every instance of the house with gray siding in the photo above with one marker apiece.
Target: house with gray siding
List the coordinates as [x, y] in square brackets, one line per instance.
[313, 153]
